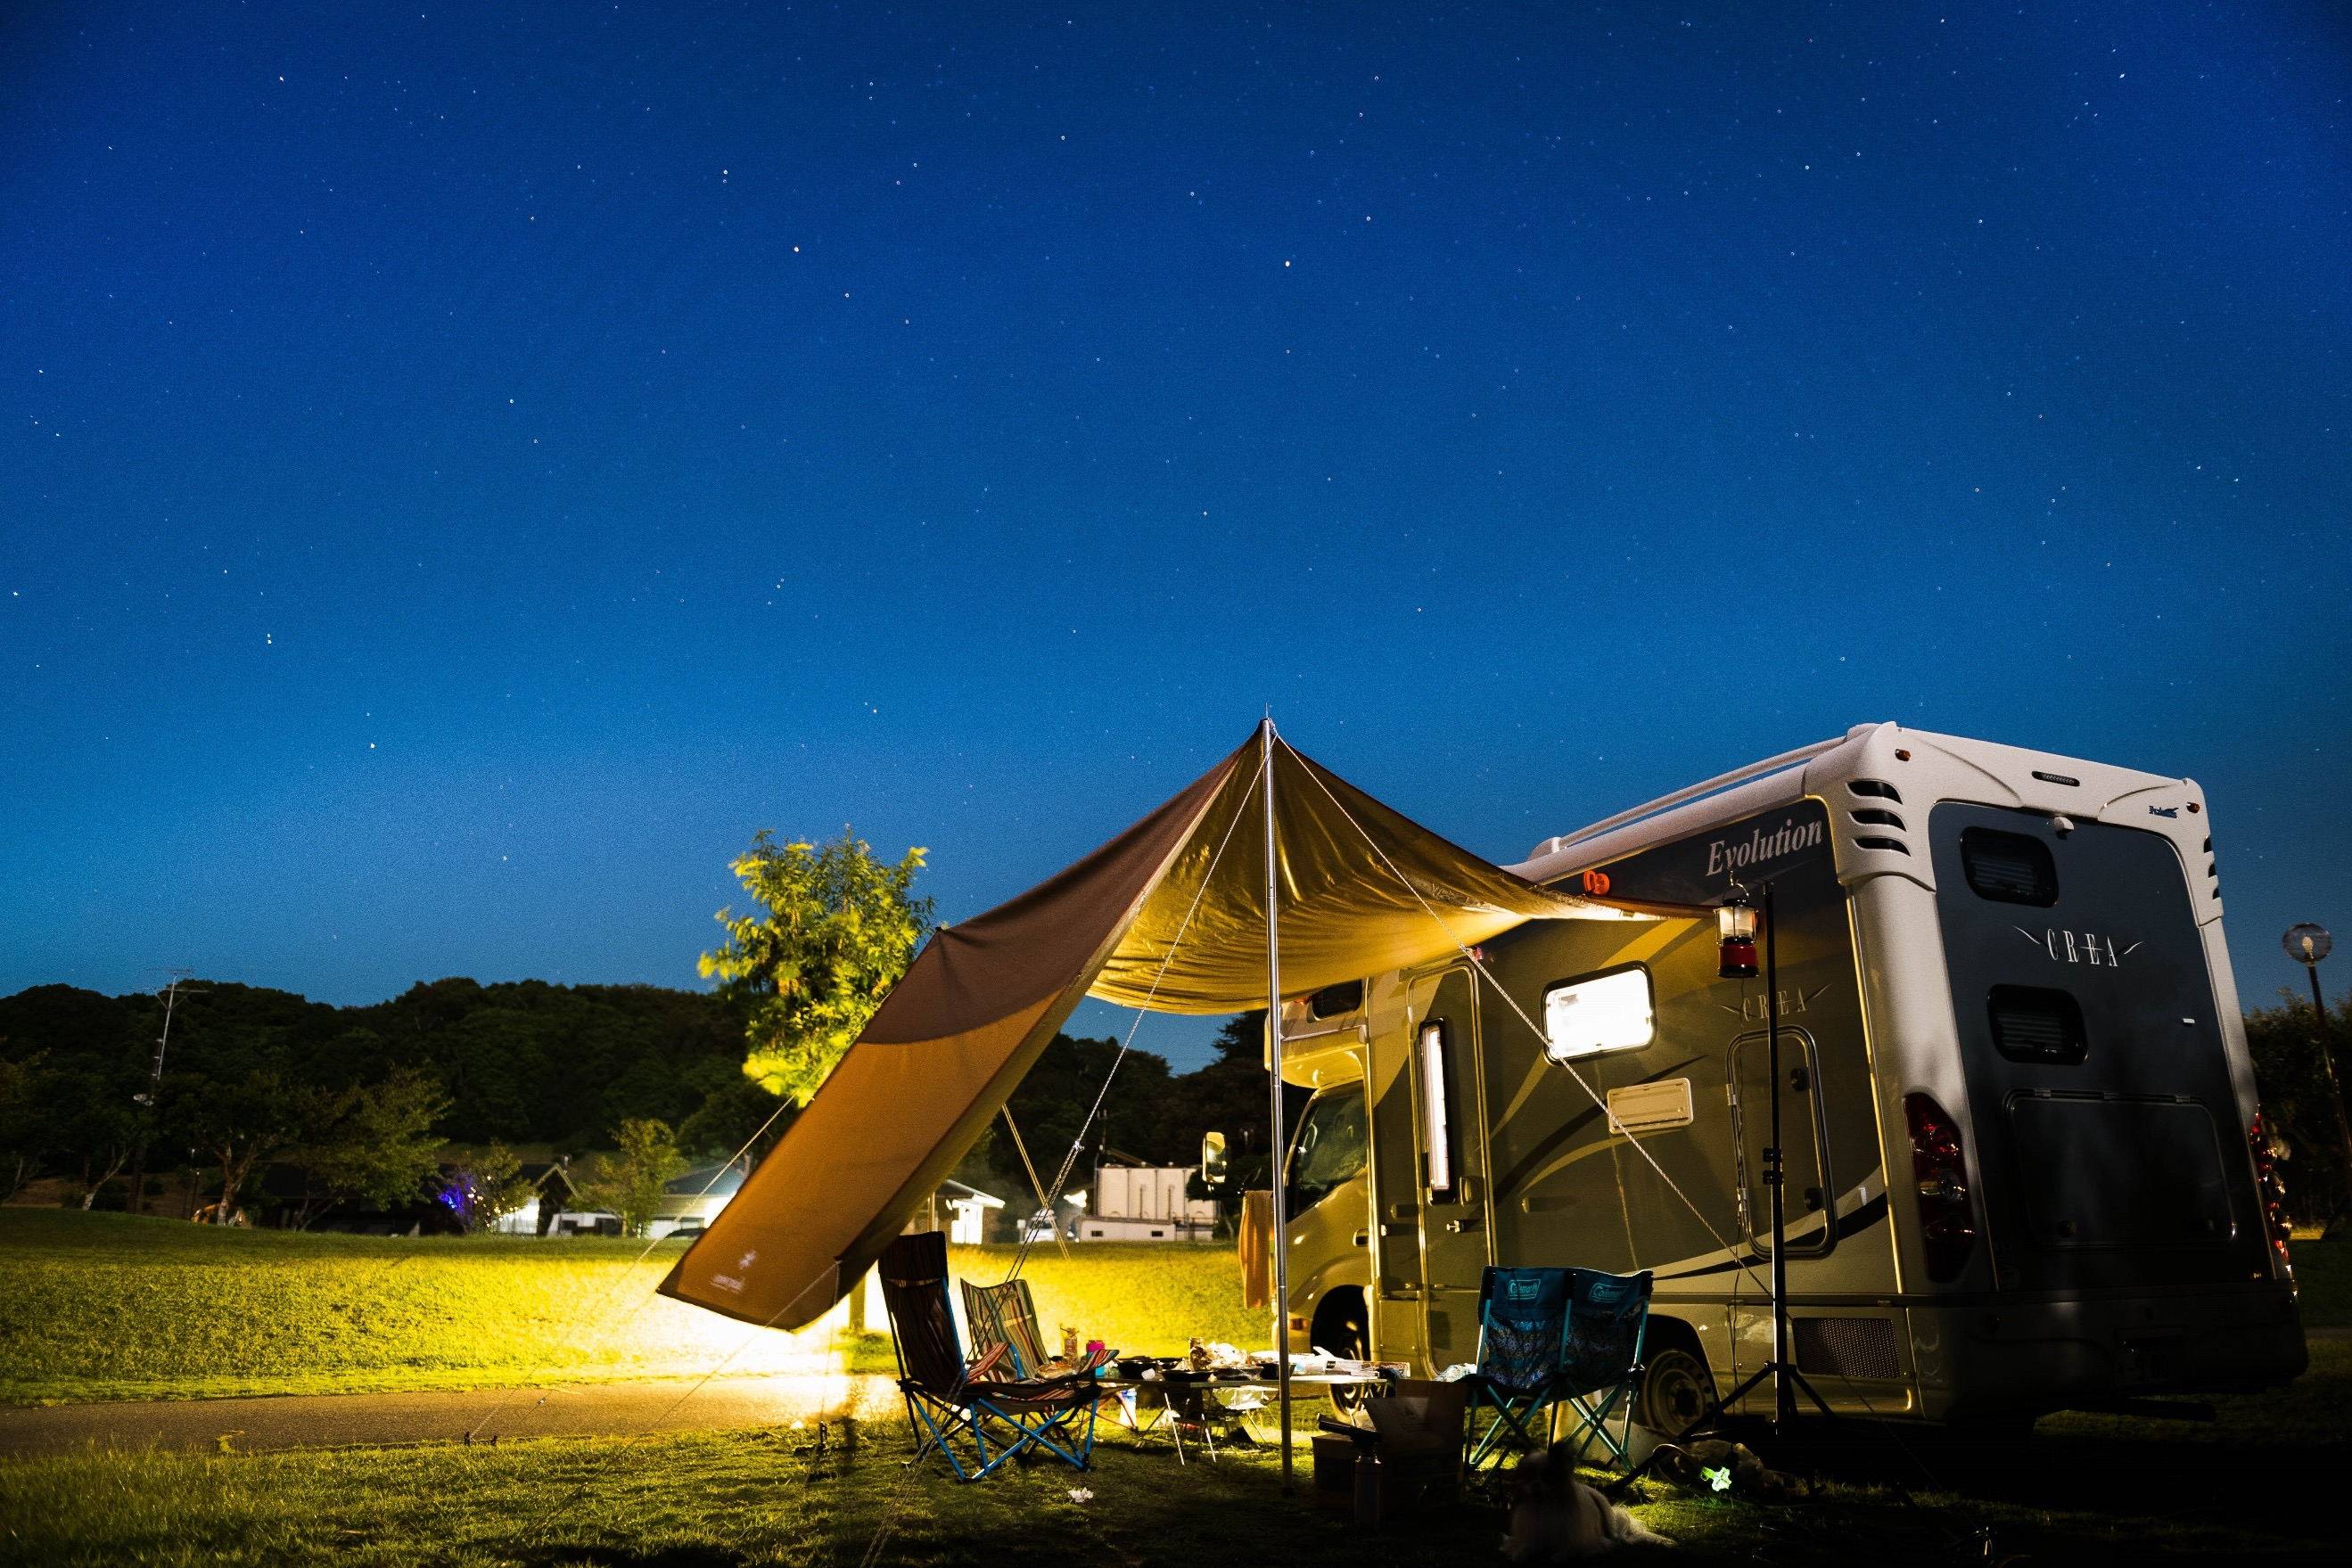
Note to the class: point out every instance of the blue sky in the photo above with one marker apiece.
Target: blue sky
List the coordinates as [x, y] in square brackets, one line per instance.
[464, 474]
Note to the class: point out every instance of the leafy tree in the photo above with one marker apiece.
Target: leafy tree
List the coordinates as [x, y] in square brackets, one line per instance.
[95, 1123]
[735, 1114]
[838, 930]
[379, 1146]
[488, 1185]
[21, 1140]
[630, 1182]
[242, 1121]
[2297, 1104]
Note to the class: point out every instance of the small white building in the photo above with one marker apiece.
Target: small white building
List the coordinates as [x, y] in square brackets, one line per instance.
[1145, 1203]
[691, 1201]
[968, 1210]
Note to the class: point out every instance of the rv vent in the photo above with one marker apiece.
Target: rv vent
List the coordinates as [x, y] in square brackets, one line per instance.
[1846, 1347]
[1877, 789]
[2009, 868]
[1898, 845]
[2057, 778]
[2033, 1024]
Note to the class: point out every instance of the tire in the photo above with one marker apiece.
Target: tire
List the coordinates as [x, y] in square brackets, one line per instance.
[1676, 1387]
[1341, 1328]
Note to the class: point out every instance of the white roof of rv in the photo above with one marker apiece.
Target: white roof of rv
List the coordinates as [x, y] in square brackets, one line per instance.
[1760, 785]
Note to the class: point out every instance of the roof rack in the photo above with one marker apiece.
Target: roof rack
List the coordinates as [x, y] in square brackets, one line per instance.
[1707, 787]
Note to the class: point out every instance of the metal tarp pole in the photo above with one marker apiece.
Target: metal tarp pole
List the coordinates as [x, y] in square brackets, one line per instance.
[1274, 1096]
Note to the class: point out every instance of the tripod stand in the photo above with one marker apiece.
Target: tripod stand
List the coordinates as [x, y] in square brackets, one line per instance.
[1781, 1369]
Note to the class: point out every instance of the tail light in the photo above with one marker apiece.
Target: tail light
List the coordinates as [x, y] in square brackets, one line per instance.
[1948, 1219]
[2270, 1185]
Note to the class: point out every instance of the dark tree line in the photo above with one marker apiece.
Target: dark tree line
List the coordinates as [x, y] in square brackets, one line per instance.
[358, 1096]
[2296, 1103]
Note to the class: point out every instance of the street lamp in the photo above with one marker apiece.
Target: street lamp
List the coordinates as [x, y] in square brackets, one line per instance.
[2307, 943]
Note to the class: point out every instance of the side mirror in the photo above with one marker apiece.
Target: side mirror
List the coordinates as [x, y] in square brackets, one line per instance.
[1212, 1159]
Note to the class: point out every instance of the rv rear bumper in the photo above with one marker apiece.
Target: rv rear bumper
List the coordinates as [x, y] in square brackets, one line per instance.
[2012, 1356]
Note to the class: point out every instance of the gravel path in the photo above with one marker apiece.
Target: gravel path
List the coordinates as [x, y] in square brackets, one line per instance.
[336, 1420]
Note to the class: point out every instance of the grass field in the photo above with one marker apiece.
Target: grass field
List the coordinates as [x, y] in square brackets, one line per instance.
[100, 1306]
[2257, 1484]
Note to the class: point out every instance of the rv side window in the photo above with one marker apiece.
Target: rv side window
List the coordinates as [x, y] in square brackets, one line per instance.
[1609, 1012]
[1436, 1132]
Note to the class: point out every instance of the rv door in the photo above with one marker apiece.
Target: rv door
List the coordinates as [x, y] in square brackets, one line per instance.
[1810, 1232]
[1455, 1232]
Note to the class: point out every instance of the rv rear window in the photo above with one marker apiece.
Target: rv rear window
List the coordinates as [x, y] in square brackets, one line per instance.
[2009, 868]
[2031, 1023]
[1332, 1000]
[1607, 1012]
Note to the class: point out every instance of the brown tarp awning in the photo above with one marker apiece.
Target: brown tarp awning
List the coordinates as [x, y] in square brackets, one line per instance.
[1142, 922]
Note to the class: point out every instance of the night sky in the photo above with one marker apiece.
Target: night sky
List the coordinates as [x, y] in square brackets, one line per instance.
[464, 471]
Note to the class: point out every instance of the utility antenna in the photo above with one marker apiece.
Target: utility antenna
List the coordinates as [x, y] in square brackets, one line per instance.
[180, 976]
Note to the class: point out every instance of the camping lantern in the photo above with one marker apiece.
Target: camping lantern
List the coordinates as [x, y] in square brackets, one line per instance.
[1735, 933]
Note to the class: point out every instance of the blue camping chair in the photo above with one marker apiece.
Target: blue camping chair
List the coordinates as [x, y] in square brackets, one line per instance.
[977, 1416]
[1522, 1337]
[1549, 1337]
[1608, 1319]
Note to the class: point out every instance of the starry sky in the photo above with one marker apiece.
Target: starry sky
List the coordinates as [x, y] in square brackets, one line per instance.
[463, 471]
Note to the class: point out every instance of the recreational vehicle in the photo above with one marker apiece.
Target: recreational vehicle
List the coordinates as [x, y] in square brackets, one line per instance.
[2025, 1171]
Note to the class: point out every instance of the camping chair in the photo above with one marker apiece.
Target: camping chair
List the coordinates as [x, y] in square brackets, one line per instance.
[997, 1418]
[1608, 1319]
[1522, 1339]
[1005, 1314]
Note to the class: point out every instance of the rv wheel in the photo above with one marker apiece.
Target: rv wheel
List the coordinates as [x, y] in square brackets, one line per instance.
[1340, 1327]
[1676, 1388]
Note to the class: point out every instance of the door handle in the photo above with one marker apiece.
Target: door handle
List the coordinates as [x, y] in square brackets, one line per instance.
[1456, 1227]
[1363, 1238]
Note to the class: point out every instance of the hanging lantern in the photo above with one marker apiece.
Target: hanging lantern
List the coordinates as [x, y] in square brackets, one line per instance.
[1735, 932]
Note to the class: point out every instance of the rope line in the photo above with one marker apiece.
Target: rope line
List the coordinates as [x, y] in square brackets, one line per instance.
[1036, 1185]
[605, 1308]
[1070, 1160]
[1478, 965]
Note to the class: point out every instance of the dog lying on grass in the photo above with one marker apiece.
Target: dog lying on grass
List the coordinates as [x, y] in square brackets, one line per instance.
[1556, 1518]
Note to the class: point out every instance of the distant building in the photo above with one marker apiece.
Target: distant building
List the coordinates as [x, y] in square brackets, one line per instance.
[691, 1201]
[971, 1213]
[556, 1210]
[1145, 1203]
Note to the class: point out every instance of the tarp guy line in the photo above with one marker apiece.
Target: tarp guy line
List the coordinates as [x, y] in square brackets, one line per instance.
[1478, 965]
[1071, 1159]
[603, 1308]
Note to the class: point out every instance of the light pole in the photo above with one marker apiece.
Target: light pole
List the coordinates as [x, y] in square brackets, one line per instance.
[2307, 943]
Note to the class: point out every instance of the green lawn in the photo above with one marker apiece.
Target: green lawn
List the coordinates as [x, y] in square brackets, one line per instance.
[2257, 1485]
[105, 1306]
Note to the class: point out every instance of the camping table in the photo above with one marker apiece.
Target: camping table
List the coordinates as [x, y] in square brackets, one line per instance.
[1198, 1407]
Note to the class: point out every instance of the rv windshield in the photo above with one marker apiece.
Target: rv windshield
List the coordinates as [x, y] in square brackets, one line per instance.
[1329, 1149]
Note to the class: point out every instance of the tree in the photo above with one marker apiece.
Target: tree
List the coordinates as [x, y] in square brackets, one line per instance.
[2298, 1106]
[630, 1182]
[96, 1125]
[488, 1185]
[243, 1121]
[21, 1137]
[838, 930]
[379, 1146]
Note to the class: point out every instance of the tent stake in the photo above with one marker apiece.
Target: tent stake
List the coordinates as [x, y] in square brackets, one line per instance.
[1273, 1095]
